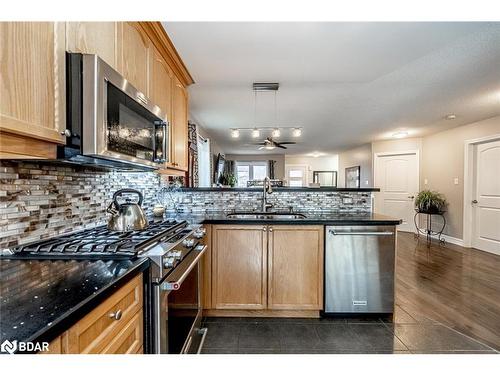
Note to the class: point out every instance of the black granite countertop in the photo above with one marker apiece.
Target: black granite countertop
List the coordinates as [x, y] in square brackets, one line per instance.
[39, 299]
[316, 218]
[283, 188]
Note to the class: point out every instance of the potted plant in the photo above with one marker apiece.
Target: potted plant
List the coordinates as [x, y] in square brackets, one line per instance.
[227, 179]
[430, 202]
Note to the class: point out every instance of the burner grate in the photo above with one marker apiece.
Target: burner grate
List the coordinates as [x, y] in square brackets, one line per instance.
[101, 241]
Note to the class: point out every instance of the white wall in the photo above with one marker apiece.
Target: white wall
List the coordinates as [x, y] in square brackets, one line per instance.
[361, 156]
[442, 161]
[321, 163]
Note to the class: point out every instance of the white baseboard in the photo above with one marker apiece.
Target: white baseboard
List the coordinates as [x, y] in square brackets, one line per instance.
[449, 239]
[453, 240]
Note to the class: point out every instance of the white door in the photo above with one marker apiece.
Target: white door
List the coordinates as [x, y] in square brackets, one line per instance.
[486, 212]
[397, 178]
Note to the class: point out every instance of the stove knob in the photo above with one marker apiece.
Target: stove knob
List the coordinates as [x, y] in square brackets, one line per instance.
[199, 233]
[169, 262]
[188, 242]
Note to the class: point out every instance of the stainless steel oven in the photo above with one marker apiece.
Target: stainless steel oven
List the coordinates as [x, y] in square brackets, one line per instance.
[177, 309]
[109, 119]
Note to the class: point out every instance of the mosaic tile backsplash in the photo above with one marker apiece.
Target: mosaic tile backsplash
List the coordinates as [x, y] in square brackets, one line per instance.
[318, 201]
[43, 200]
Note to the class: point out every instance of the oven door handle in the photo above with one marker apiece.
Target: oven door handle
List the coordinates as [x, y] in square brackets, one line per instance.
[174, 280]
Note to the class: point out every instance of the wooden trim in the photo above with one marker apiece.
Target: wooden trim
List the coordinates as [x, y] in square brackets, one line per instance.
[28, 130]
[263, 313]
[162, 42]
[13, 146]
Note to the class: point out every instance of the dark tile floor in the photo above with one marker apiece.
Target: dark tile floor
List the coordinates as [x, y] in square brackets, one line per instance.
[327, 336]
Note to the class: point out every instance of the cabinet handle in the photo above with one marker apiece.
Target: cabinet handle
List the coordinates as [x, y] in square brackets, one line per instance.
[116, 315]
[270, 229]
[264, 229]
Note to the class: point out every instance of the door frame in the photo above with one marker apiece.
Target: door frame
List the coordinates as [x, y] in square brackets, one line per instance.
[376, 156]
[469, 183]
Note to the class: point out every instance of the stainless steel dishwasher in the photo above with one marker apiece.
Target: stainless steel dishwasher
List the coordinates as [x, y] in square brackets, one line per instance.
[359, 269]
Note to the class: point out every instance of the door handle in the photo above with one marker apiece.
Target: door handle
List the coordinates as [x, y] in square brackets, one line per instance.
[474, 201]
[174, 281]
[386, 233]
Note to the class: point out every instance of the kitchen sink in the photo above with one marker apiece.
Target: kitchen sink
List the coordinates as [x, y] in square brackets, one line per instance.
[265, 215]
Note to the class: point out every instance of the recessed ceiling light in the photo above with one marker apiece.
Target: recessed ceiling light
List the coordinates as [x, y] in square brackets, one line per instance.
[255, 133]
[400, 134]
[276, 133]
[297, 132]
[235, 133]
[451, 116]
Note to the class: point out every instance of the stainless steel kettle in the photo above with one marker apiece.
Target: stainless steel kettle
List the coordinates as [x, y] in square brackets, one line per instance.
[126, 216]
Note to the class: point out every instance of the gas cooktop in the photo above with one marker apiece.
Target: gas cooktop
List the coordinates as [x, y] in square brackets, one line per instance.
[100, 242]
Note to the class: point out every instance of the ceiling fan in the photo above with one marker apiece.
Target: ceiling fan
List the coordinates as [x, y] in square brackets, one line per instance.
[270, 144]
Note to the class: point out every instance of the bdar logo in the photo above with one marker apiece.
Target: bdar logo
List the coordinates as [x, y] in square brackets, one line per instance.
[8, 346]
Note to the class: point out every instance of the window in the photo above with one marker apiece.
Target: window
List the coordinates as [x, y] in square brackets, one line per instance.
[250, 170]
[203, 162]
[296, 175]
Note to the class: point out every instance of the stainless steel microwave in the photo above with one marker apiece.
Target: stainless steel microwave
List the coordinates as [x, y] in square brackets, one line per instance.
[109, 121]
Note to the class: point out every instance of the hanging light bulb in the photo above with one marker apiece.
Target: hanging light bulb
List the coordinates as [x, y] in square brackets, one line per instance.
[297, 132]
[235, 133]
[276, 133]
[255, 133]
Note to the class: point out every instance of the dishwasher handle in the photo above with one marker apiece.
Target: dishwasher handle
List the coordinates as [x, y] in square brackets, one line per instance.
[341, 233]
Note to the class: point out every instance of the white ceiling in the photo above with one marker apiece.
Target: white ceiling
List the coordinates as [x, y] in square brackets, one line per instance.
[345, 83]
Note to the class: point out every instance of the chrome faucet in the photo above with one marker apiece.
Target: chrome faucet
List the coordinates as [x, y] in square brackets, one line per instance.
[267, 190]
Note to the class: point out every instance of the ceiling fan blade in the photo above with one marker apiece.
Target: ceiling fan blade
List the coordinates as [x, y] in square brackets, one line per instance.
[287, 143]
[280, 146]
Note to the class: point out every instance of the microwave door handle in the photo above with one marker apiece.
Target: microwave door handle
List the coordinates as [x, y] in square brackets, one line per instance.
[165, 137]
[175, 280]
[163, 125]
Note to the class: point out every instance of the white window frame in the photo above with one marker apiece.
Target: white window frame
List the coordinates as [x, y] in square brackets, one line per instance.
[251, 164]
[305, 178]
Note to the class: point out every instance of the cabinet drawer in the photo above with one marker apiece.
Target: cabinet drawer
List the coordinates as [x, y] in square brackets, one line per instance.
[129, 339]
[94, 332]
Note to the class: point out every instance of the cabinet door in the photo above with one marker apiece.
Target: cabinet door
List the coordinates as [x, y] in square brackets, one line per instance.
[295, 272]
[133, 51]
[239, 261]
[180, 126]
[161, 86]
[93, 37]
[32, 87]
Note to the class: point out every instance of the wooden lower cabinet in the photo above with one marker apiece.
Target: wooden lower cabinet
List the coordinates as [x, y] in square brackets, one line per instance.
[239, 263]
[295, 268]
[272, 270]
[113, 327]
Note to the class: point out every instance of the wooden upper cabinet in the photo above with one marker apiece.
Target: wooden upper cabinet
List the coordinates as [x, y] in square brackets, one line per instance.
[98, 38]
[133, 55]
[239, 264]
[295, 268]
[32, 87]
[161, 83]
[179, 132]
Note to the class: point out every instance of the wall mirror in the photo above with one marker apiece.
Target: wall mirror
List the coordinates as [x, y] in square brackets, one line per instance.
[325, 178]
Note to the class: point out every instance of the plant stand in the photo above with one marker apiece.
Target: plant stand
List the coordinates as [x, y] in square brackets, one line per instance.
[428, 232]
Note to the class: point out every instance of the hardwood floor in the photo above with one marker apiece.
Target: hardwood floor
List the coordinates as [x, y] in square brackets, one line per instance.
[455, 286]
